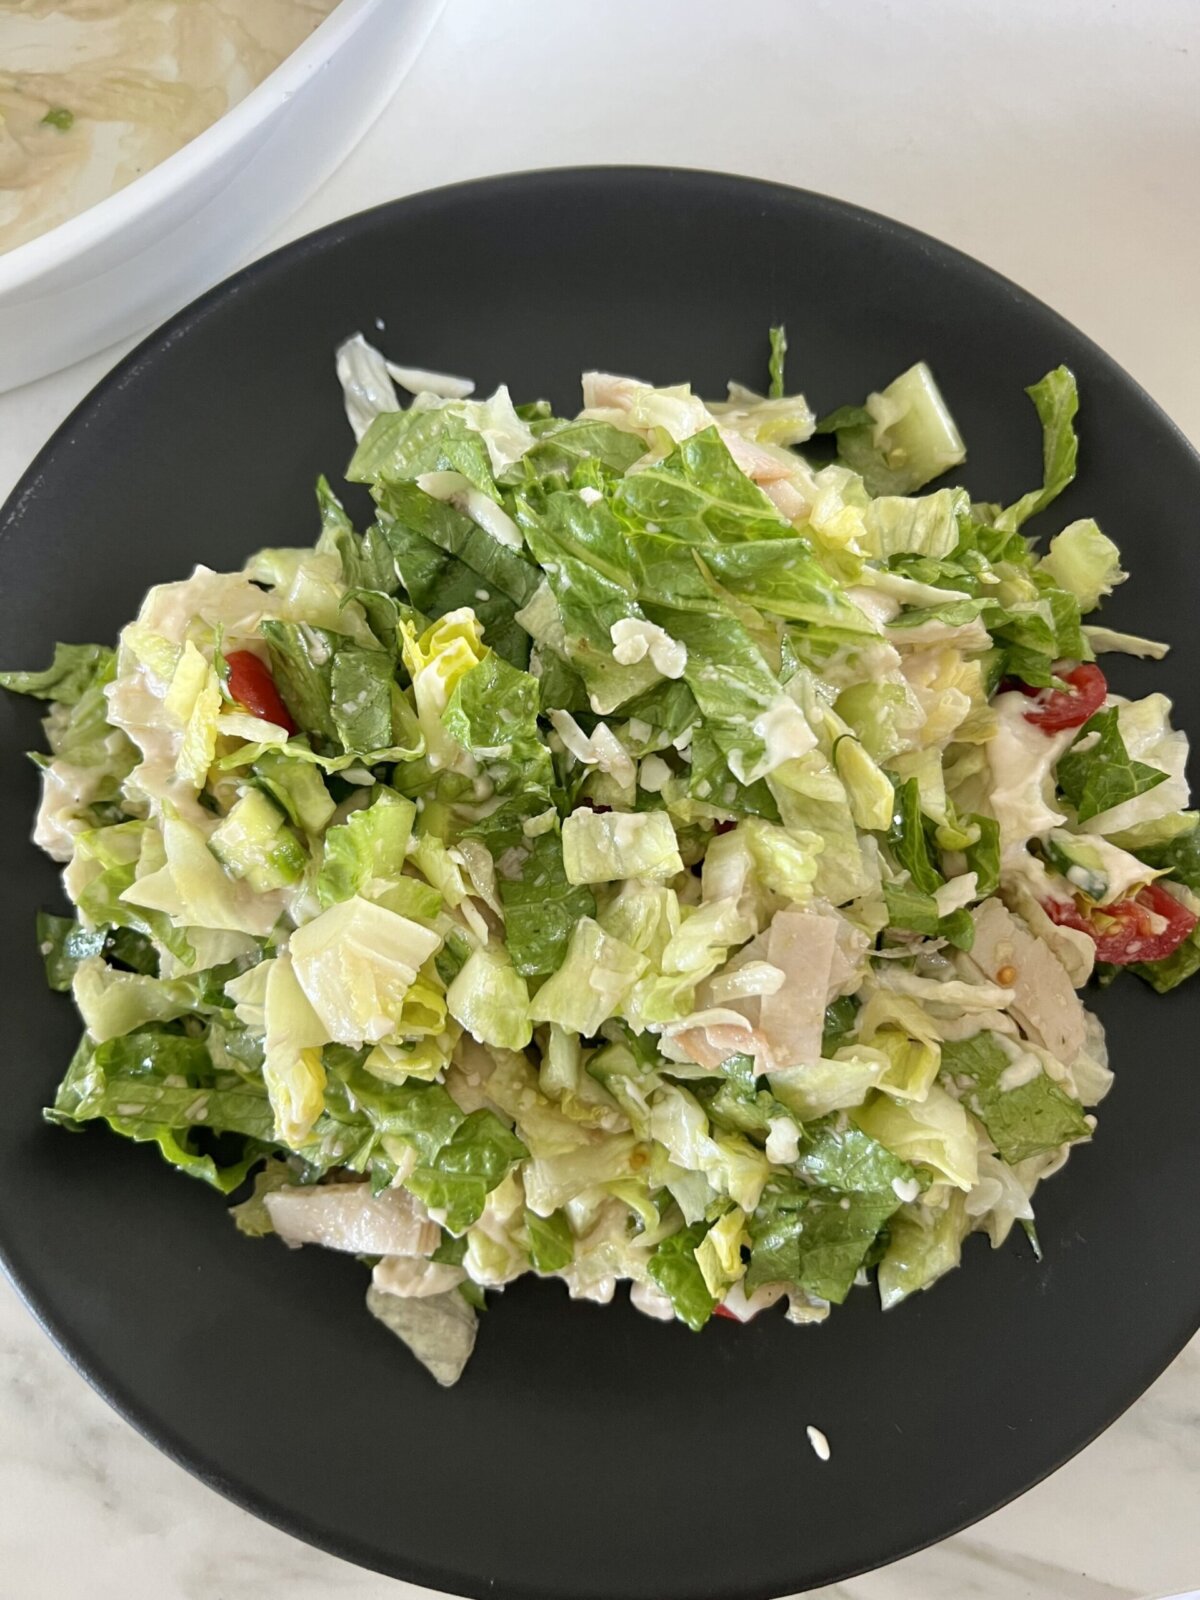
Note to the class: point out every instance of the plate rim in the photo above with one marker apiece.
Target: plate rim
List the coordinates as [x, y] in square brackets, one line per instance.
[189, 319]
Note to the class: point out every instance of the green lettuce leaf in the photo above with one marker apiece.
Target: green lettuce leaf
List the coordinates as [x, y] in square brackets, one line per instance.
[75, 669]
[909, 842]
[493, 713]
[497, 566]
[1172, 970]
[934, 1132]
[360, 692]
[466, 1168]
[367, 563]
[551, 1242]
[491, 1000]
[739, 1106]
[541, 908]
[404, 444]
[110, 857]
[302, 666]
[438, 581]
[567, 445]
[809, 1238]
[928, 525]
[674, 1268]
[159, 1087]
[606, 846]
[848, 1161]
[1103, 775]
[775, 366]
[1028, 1120]
[64, 944]
[1057, 401]
[1084, 562]
[579, 548]
[365, 854]
[983, 857]
[593, 981]
[840, 1018]
[1178, 857]
[917, 912]
[922, 1247]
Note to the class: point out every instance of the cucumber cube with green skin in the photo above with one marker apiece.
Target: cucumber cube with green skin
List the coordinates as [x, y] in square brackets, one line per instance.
[1078, 861]
[911, 440]
[296, 786]
[255, 843]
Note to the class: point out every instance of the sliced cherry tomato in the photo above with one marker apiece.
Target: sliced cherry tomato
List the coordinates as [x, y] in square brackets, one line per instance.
[1149, 927]
[721, 1311]
[1062, 708]
[251, 685]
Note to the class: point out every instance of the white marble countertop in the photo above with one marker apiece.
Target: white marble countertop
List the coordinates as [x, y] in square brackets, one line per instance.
[1059, 143]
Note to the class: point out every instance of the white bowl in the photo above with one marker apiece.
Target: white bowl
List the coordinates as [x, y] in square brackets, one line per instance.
[132, 259]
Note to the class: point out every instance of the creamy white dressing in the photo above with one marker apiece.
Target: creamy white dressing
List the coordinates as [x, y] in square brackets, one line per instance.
[124, 85]
[66, 790]
[783, 1141]
[906, 1190]
[633, 639]
[1124, 872]
[819, 1442]
[1023, 1069]
[1021, 759]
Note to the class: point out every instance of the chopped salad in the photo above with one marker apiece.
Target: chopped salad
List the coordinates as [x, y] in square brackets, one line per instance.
[661, 846]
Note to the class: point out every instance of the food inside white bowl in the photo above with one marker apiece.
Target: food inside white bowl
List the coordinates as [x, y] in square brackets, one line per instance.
[93, 93]
[146, 248]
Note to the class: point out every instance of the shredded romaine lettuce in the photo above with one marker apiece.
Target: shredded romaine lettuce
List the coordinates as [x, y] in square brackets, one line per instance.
[649, 854]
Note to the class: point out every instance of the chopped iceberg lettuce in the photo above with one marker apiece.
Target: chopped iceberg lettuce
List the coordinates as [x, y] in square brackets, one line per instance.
[643, 853]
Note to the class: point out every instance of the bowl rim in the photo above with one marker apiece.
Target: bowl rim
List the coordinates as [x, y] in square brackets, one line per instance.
[25, 263]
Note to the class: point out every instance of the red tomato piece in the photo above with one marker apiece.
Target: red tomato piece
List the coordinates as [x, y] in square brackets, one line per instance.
[1149, 927]
[720, 1311]
[1067, 708]
[251, 685]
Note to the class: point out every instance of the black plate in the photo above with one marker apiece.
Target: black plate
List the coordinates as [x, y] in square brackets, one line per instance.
[588, 1452]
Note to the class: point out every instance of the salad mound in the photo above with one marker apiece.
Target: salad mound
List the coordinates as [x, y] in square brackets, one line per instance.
[661, 846]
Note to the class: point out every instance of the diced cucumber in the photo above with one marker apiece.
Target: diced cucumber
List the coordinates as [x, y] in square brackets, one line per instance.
[912, 440]
[1079, 862]
[298, 787]
[255, 843]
